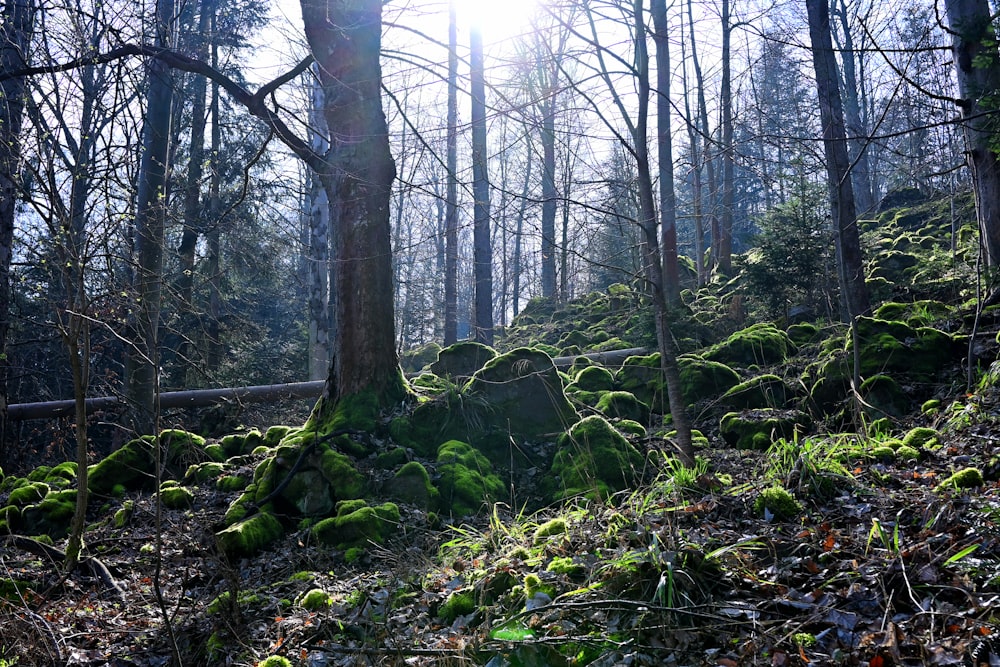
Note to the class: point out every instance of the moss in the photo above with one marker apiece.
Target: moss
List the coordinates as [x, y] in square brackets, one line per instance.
[883, 454]
[763, 391]
[779, 502]
[340, 473]
[249, 536]
[883, 396]
[275, 661]
[231, 483]
[199, 473]
[357, 526]
[593, 458]
[622, 405]
[14, 590]
[566, 566]
[65, 471]
[557, 526]
[412, 484]
[631, 427]
[462, 359]
[967, 478]
[595, 378]
[757, 429]
[131, 467]
[417, 358]
[459, 603]
[803, 333]
[880, 427]
[396, 456]
[897, 348]
[533, 584]
[31, 493]
[182, 449]
[700, 379]
[315, 599]
[759, 344]
[39, 474]
[906, 453]
[215, 453]
[275, 434]
[176, 497]
[930, 407]
[465, 478]
[921, 436]
[124, 514]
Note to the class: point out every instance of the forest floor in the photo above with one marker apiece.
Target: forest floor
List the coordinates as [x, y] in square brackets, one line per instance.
[881, 567]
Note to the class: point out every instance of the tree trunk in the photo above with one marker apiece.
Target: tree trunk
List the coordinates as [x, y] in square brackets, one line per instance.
[149, 222]
[519, 231]
[977, 67]
[725, 241]
[318, 252]
[482, 248]
[345, 37]
[213, 329]
[549, 197]
[451, 218]
[851, 269]
[705, 158]
[665, 155]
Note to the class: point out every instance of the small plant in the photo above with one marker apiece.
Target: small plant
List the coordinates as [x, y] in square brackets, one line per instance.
[275, 661]
[557, 526]
[778, 501]
[878, 531]
[315, 600]
[967, 478]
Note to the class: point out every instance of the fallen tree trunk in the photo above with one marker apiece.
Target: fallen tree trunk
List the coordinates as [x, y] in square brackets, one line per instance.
[199, 398]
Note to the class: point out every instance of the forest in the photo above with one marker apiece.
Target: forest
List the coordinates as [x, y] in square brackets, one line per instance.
[536, 333]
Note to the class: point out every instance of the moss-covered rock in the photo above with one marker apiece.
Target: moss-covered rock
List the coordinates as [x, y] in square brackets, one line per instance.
[622, 405]
[416, 359]
[465, 479]
[51, 515]
[275, 434]
[922, 436]
[882, 396]
[176, 497]
[461, 360]
[779, 502]
[967, 478]
[524, 392]
[763, 391]
[29, 493]
[758, 344]
[593, 459]
[315, 599]
[757, 429]
[412, 484]
[249, 536]
[392, 458]
[231, 483]
[895, 347]
[200, 473]
[131, 466]
[459, 603]
[594, 378]
[355, 525]
[803, 333]
[700, 379]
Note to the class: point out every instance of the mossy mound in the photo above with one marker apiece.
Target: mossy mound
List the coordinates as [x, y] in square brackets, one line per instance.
[26, 494]
[131, 466]
[412, 484]
[593, 459]
[416, 359]
[465, 479]
[967, 478]
[203, 472]
[356, 524]
[763, 391]
[895, 347]
[176, 497]
[524, 392]
[622, 405]
[922, 437]
[759, 344]
[459, 361]
[238, 444]
[594, 378]
[50, 516]
[757, 429]
[803, 333]
[249, 536]
[779, 502]
[700, 379]
[916, 314]
[882, 396]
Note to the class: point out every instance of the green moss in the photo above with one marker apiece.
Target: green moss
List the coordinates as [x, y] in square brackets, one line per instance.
[906, 453]
[415, 359]
[396, 456]
[557, 526]
[880, 427]
[465, 478]
[593, 458]
[565, 565]
[763, 391]
[622, 405]
[462, 360]
[779, 502]
[930, 407]
[275, 434]
[353, 554]
[131, 467]
[759, 344]
[249, 536]
[967, 478]
[65, 471]
[340, 473]
[199, 473]
[124, 514]
[884, 397]
[412, 484]
[31, 493]
[215, 453]
[595, 378]
[39, 474]
[803, 333]
[883, 454]
[757, 429]
[231, 483]
[275, 661]
[357, 526]
[176, 497]
[459, 603]
[631, 427]
[897, 348]
[315, 599]
[922, 436]
[14, 590]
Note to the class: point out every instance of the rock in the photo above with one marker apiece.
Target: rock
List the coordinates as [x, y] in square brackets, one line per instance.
[763, 391]
[883, 397]
[465, 479]
[593, 459]
[459, 361]
[622, 405]
[759, 344]
[249, 536]
[757, 429]
[356, 524]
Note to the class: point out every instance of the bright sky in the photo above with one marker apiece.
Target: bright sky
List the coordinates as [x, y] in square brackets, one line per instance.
[499, 19]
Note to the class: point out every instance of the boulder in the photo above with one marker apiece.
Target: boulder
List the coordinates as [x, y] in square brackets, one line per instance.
[757, 429]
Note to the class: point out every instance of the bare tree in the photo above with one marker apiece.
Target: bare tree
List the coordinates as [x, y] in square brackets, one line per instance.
[482, 247]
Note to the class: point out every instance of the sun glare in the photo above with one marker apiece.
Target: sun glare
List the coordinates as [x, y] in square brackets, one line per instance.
[499, 19]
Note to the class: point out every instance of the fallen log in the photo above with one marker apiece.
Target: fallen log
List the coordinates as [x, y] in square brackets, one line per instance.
[199, 398]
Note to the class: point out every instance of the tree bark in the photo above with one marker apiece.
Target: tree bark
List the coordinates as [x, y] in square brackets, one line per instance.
[665, 155]
[977, 66]
[482, 246]
[149, 223]
[451, 216]
[842, 208]
[547, 107]
[725, 240]
[318, 251]
[357, 172]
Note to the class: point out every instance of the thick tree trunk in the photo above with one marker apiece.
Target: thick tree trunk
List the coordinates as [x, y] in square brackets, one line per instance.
[549, 197]
[451, 217]
[482, 247]
[851, 269]
[357, 173]
[977, 66]
[725, 240]
[149, 222]
[318, 251]
[15, 35]
[665, 155]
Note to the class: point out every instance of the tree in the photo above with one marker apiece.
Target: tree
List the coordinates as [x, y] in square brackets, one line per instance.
[482, 249]
[451, 211]
[977, 66]
[854, 292]
[665, 155]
